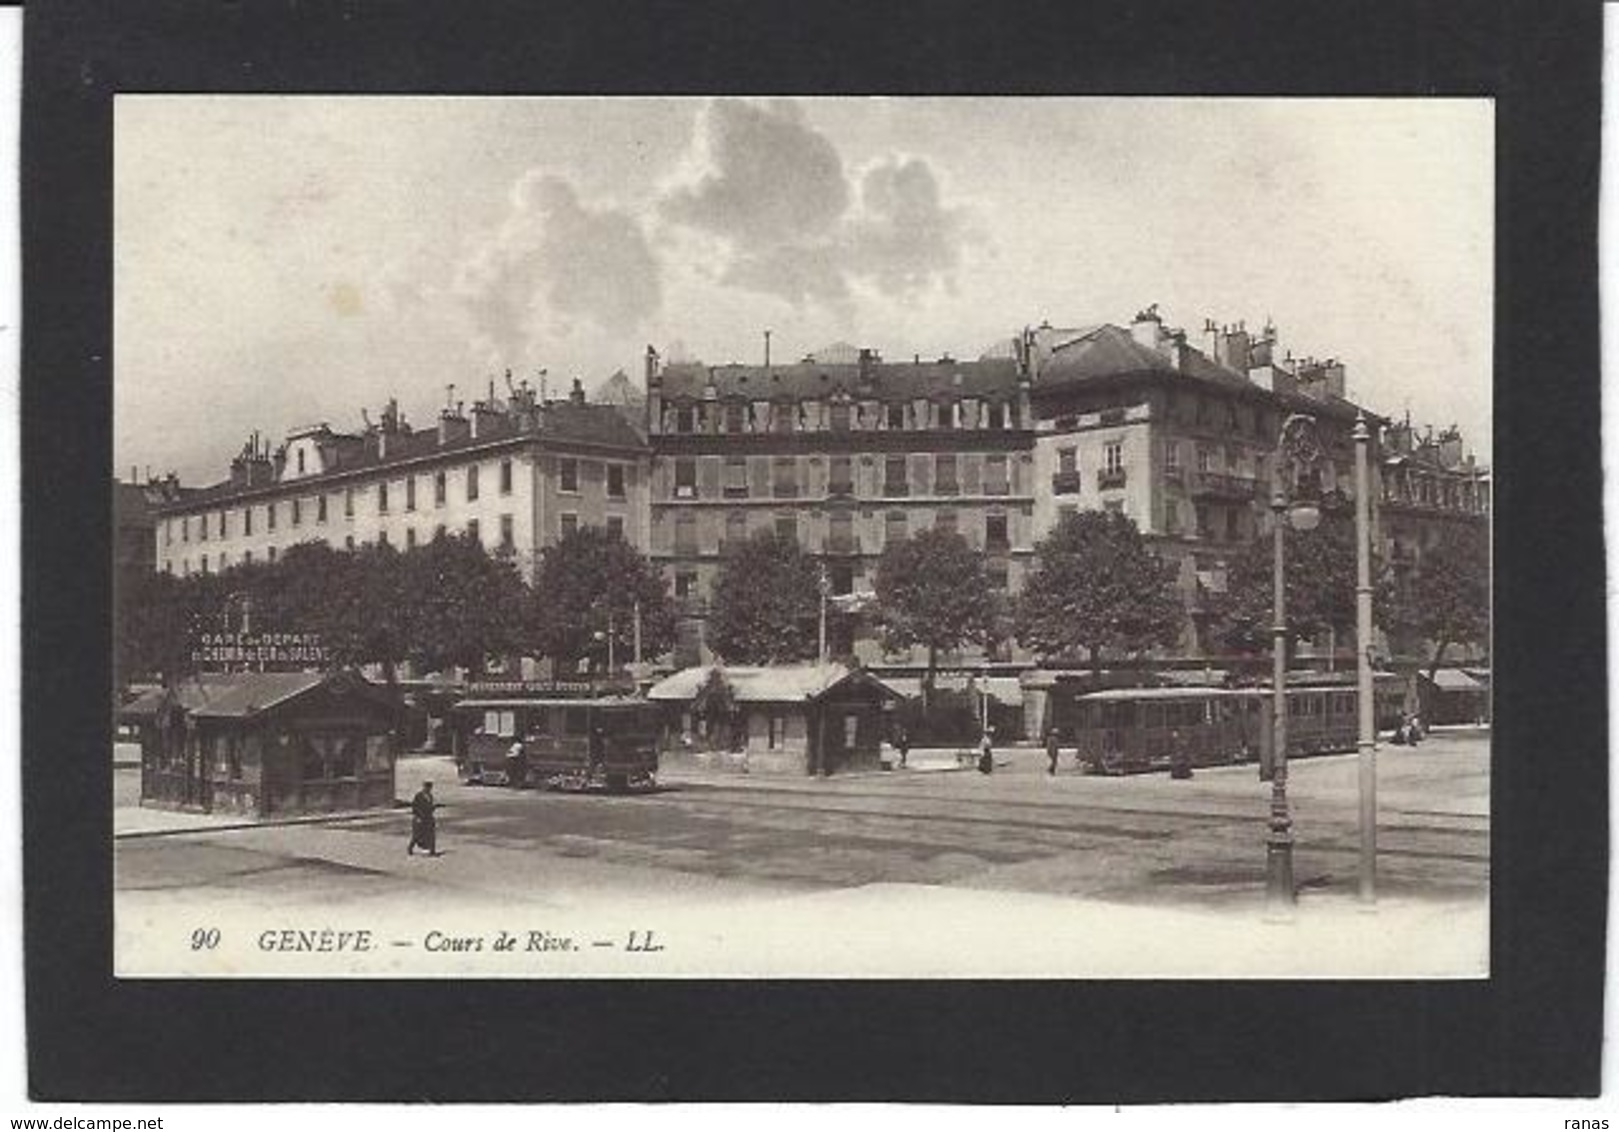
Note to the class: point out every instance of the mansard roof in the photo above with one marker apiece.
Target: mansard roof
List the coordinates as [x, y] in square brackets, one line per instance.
[991, 379]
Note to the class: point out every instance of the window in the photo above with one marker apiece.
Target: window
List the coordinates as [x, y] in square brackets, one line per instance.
[382, 498]
[473, 532]
[944, 474]
[685, 419]
[615, 481]
[736, 477]
[1113, 456]
[997, 416]
[247, 523]
[320, 508]
[896, 415]
[382, 538]
[348, 503]
[841, 577]
[1172, 517]
[1172, 455]
[570, 523]
[995, 478]
[947, 414]
[440, 489]
[185, 529]
[1232, 525]
[272, 554]
[410, 493]
[840, 475]
[204, 563]
[736, 528]
[685, 479]
[269, 515]
[410, 538]
[508, 537]
[472, 483]
[783, 416]
[202, 528]
[300, 461]
[839, 417]
[685, 583]
[615, 526]
[1067, 460]
[736, 417]
[787, 528]
[685, 533]
[840, 533]
[894, 476]
[568, 475]
[297, 512]
[995, 532]
[222, 527]
[945, 521]
[348, 542]
[784, 477]
[247, 558]
[896, 527]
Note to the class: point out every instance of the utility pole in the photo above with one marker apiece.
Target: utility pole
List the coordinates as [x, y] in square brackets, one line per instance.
[1366, 740]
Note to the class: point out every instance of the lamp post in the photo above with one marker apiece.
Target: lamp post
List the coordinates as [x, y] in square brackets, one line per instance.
[824, 586]
[1296, 448]
[1366, 737]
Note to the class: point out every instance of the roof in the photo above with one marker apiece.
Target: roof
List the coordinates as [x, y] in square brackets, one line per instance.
[1002, 689]
[784, 683]
[1105, 353]
[1456, 680]
[990, 378]
[561, 423]
[236, 695]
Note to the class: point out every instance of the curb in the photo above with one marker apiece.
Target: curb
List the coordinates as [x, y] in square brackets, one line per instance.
[232, 827]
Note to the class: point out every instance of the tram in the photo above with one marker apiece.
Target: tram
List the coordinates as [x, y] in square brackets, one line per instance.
[572, 735]
[1137, 730]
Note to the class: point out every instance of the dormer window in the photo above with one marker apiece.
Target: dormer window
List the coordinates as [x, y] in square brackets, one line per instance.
[685, 419]
[300, 461]
[996, 415]
[896, 415]
[839, 415]
[736, 418]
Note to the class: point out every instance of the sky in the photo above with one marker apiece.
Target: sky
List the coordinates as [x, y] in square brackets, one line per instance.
[281, 261]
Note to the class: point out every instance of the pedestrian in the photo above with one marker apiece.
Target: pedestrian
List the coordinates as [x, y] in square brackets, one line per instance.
[1180, 762]
[986, 755]
[1052, 751]
[902, 743]
[423, 823]
[517, 765]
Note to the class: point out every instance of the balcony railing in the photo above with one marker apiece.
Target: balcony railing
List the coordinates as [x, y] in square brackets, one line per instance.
[784, 491]
[1109, 477]
[896, 489]
[1065, 483]
[736, 491]
[843, 490]
[1218, 485]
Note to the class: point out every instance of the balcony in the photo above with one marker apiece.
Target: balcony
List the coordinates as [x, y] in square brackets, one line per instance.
[896, 490]
[840, 490]
[735, 491]
[784, 491]
[1065, 483]
[1109, 477]
[1218, 485]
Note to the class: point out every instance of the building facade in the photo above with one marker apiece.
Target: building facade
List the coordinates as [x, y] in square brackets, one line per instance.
[517, 473]
[844, 457]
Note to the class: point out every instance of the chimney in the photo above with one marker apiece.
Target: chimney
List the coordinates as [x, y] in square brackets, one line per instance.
[452, 425]
[484, 416]
[1212, 340]
[868, 365]
[1147, 327]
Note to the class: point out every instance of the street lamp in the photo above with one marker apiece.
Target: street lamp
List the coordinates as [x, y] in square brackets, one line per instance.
[1366, 731]
[825, 587]
[1296, 450]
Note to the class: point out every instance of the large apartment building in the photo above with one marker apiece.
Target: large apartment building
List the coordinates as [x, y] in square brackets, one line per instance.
[517, 473]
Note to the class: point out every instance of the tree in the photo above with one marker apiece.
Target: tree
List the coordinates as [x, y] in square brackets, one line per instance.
[932, 590]
[1446, 599]
[1319, 575]
[766, 607]
[588, 584]
[1097, 590]
[461, 604]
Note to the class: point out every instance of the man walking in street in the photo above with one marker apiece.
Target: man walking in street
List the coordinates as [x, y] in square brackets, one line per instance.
[423, 823]
[1052, 751]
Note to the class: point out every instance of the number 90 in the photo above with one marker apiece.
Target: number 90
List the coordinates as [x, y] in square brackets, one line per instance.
[204, 939]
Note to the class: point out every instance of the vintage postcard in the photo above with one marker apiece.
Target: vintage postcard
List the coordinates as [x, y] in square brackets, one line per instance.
[864, 537]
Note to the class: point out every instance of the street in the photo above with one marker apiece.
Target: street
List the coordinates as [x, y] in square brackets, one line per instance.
[1017, 843]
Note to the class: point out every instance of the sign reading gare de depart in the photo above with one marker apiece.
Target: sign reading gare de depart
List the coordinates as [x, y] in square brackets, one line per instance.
[264, 652]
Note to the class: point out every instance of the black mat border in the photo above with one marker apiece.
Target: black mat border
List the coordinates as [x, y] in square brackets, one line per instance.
[1533, 1028]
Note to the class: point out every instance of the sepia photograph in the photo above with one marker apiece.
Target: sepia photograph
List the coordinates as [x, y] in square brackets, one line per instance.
[802, 537]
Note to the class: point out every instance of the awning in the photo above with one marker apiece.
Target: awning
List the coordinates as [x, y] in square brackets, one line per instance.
[1455, 680]
[1002, 689]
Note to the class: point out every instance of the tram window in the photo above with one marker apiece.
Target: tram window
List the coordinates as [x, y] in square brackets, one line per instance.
[575, 721]
[501, 723]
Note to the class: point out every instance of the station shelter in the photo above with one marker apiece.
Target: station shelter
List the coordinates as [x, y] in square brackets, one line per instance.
[816, 719]
[267, 743]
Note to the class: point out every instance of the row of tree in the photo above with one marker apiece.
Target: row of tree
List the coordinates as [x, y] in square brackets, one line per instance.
[1097, 593]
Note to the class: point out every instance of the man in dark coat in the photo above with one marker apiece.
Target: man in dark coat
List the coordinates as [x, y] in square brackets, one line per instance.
[1052, 750]
[423, 824]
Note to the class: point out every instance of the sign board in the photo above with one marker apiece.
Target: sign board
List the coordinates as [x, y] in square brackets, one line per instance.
[259, 651]
[542, 688]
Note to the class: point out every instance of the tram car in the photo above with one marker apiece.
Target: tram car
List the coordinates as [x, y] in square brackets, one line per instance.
[572, 736]
[1138, 730]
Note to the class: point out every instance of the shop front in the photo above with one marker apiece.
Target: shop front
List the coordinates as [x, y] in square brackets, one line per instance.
[266, 744]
